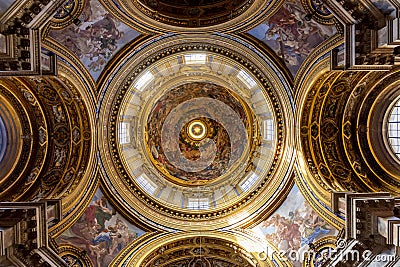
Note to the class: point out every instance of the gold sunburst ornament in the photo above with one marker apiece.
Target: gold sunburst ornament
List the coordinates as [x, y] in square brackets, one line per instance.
[197, 130]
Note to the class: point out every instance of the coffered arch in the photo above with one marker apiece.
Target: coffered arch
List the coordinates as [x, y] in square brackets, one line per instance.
[342, 135]
[53, 150]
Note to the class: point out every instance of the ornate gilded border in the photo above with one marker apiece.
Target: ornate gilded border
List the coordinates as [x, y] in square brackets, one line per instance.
[113, 134]
[318, 15]
[136, 253]
[74, 256]
[320, 202]
[71, 17]
[117, 95]
[149, 22]
[185, 23]
[32, 117]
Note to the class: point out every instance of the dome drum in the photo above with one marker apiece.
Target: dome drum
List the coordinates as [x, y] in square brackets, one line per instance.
[214, 85]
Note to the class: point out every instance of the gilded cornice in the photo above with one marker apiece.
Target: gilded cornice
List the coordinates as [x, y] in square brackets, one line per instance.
[20, 27]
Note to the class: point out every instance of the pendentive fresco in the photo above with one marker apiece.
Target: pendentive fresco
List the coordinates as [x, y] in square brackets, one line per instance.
[101, 231]
[97, 37]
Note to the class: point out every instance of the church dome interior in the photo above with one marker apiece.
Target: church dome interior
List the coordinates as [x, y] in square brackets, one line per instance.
[199, 133]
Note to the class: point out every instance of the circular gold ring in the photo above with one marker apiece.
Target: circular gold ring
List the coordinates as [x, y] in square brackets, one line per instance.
[197, 130]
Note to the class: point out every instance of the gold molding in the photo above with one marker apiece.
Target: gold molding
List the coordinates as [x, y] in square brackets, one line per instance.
[136, 253]
[174, 218]
[134, 14]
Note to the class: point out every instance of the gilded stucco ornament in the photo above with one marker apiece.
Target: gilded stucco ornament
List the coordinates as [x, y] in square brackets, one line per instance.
[193, 249]
[191, 16]
[50, 134]
[318, 11]
[144, 179]
[320, 251]
[83, 179]
[343, 137]
[15, 111]
[68, 13]
[74, 257]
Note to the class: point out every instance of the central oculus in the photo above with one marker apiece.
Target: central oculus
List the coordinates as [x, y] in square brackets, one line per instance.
[197, 132]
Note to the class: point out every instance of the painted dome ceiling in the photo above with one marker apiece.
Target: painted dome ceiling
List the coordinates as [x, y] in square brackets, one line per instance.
[197, 124]
[197, 131]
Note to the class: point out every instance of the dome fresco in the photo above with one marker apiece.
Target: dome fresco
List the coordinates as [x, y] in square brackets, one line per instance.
[198, 125]
[178, 150]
